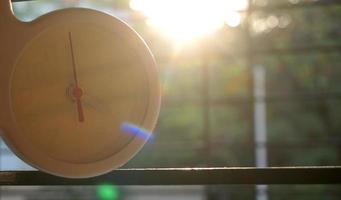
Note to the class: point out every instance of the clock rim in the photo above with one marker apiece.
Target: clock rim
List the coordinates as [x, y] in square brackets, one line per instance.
[72, 170]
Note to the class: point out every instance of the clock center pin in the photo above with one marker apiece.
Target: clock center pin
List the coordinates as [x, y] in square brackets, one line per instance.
[74, 92]
[77, 92]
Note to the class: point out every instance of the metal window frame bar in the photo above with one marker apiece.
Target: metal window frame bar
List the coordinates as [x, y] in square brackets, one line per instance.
[185, 176]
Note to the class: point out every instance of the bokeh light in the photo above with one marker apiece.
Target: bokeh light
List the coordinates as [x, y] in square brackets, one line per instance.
[107, 192]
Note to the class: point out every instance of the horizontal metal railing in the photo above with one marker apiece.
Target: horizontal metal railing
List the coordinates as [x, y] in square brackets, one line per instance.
[186, 176]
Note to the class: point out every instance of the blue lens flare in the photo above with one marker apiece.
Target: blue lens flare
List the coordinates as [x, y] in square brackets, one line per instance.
[132, 129]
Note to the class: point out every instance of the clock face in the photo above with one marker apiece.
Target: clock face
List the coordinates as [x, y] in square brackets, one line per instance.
[73, 86]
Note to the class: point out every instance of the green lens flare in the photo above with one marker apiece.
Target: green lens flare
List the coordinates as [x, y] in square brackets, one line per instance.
[107, 192]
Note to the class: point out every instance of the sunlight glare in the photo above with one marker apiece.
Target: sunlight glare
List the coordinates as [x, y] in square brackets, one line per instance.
[186, 20]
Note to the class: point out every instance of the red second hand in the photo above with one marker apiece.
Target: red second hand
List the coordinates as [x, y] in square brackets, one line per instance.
[77, 91]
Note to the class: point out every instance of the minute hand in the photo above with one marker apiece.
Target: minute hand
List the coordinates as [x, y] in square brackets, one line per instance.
[77, 91]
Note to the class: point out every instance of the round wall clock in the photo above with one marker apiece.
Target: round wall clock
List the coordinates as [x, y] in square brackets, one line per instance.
[69, 81]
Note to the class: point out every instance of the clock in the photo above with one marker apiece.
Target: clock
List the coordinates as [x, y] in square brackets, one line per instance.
[77, 89]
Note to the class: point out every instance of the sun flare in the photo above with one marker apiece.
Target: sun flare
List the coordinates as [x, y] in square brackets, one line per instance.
[187, 20]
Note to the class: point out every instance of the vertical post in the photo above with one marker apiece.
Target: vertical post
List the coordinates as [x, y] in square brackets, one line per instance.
[205, 95]
[260, 125]
[206, 110]
[260, 190]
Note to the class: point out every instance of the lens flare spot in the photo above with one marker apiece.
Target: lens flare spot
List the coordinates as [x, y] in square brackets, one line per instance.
[129, 128]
